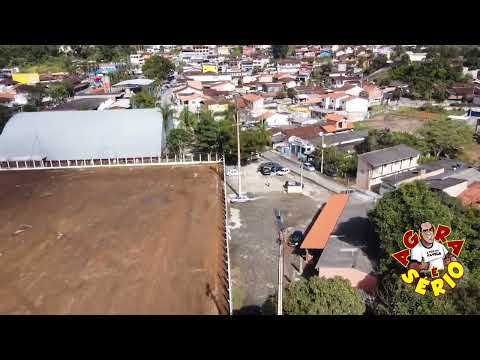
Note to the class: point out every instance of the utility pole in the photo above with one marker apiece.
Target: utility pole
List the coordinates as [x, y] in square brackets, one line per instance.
[301, 175]
[238, 155]
[280, 276]
[281, 228]
[321, 164]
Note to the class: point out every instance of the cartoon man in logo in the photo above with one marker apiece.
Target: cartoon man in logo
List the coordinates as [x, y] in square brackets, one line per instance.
[428, 253]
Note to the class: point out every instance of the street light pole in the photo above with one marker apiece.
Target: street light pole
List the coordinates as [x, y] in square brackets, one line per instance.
[281, 229]
[280, 276]
[301, 175]
[321, 164]
[238, 156]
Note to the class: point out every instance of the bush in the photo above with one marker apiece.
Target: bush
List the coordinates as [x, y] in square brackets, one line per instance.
[320, 296]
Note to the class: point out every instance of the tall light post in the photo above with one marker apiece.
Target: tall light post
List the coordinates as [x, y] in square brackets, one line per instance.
[301, 175]
[321, 163]
[238, 156]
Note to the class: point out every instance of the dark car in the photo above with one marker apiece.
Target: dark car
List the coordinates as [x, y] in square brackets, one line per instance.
[266, 170]
[269, 168]
[331, 172]
[265, 164]
[296, 238]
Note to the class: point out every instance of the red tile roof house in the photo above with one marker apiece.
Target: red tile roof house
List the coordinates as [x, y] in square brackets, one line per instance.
[335, 246]
[375, 94]
[254, 103]
[336, 123]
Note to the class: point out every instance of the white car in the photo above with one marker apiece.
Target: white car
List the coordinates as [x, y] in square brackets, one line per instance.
[283, 171]
[308, 166]
[232, 172]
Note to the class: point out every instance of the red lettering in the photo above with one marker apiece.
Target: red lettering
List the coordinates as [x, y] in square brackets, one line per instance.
[442, 233]
[402, 256]
[456, 246]
[410, 239]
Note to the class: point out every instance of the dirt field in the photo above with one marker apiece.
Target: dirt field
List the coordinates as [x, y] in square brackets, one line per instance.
[112, 241]
[394, 123]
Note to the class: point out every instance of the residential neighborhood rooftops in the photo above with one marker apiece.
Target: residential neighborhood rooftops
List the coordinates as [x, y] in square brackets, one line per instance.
[318, 235]
[440, 184]
[80, 104]
[389, 155]
[334, 117]
[305, 132]
[342, 138]
[251, 97]
[349, 252]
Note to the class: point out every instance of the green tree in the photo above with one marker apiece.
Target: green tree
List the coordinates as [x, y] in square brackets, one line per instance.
[5, 115]
[158, 68]
[206, 133]
[394, 297]
[321, 74]
[107, 53]
[142, 100]
[178, 140]
[279, 51]
[188, 120]
[383, 138]
[411, 205]
[59, 92]
[167, 112]
[445, 137]
[378, 62]
[36, 94]
[320, 296]
[291, 92]
[237, 51]
[345, 165]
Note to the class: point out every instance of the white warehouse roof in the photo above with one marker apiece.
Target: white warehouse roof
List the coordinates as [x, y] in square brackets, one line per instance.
[134, 83]
[70, 135]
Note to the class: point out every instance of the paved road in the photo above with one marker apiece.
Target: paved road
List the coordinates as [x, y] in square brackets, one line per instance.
[315, 177]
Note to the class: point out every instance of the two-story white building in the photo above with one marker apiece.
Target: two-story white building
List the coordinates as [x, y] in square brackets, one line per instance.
[291, 66]
[376, 165]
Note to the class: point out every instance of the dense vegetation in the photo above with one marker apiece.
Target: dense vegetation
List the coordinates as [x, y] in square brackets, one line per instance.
[320, 296]
[158, 68]
[406, 209]
[437, 138]
[430, 78]
[335, 160]
[202, 133]
[45, 58]
[142, 100]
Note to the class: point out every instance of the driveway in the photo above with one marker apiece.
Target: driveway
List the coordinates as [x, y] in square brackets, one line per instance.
[253, 246]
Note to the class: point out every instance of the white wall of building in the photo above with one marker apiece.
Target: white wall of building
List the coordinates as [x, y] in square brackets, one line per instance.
[356, 105]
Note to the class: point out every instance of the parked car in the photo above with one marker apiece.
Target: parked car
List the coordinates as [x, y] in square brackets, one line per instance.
[282, 171]
[232, 172]
[331, 172]
[296, 238]
[265, 164]
[293, 186]
[269, 168]
[308, 166]
[266, 170]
